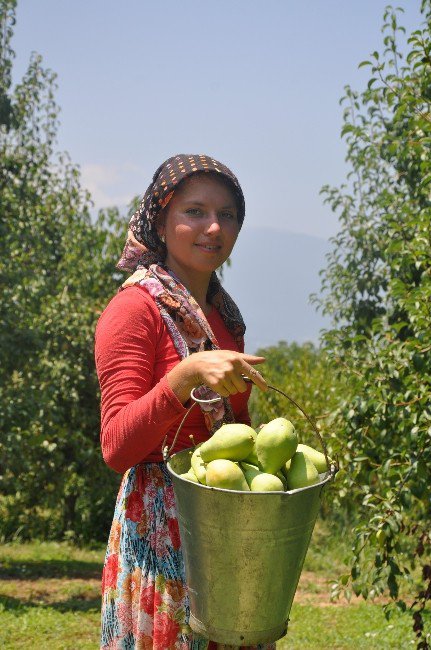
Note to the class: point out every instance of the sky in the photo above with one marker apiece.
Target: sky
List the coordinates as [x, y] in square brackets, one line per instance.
[253, 83]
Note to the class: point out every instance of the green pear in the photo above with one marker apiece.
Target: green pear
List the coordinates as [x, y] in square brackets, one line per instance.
[285, 468]
[252, 457]
[198, 465]
[276, 444]
[231, 442]
[190, 476]
[317, 458]
[302, 472]
[282, 478]
[250, 471]
[226, 474]
[266, 483]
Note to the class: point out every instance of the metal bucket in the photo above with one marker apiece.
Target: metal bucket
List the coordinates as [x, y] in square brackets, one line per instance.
[243, 554]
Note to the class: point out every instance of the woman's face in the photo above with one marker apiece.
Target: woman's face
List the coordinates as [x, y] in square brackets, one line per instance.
[200, 225]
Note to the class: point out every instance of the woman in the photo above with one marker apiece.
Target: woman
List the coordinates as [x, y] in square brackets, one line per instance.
[170, 329]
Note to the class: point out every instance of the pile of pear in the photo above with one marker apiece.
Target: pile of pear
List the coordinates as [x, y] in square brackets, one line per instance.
[237, 457]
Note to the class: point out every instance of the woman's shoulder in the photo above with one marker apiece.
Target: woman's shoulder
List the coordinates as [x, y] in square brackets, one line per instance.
[133, 306]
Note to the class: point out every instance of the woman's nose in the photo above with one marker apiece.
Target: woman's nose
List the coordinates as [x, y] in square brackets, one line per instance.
[213, 225]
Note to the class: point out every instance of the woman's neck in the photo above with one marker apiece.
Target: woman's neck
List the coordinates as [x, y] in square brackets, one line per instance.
[197, 284]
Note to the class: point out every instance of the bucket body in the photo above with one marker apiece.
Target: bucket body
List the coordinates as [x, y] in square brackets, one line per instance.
[243, 554]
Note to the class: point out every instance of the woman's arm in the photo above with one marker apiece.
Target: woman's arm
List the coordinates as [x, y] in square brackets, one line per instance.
[136, 409]
[136, 412]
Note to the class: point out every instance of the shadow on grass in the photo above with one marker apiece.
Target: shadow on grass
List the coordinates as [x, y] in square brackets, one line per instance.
[32, 569]
[76, 604]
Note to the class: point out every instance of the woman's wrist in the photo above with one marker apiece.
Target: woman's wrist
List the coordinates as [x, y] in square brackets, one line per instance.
[183, 378]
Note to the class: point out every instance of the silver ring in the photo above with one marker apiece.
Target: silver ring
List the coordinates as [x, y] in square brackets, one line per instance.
[204, 401]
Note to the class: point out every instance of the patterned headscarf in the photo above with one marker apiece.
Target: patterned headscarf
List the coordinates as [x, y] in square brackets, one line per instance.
[143, 244]
[144, 254]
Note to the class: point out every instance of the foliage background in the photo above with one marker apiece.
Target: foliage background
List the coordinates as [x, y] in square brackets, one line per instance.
[56, 277]
[377, 290]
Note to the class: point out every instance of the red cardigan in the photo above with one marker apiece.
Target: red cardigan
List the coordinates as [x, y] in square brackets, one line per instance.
[133, 353]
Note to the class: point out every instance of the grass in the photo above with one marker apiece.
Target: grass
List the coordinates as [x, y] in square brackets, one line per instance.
[357, 626]
[50, 598]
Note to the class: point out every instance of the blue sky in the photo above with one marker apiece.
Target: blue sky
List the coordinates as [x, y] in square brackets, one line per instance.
[255, 83]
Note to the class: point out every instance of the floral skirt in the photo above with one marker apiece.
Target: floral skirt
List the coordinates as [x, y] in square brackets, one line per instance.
[144, 595]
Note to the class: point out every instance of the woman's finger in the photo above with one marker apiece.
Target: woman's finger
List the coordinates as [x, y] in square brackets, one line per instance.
[252, 359]
[221, 390]
[239, 383]
[255, 377]
[229, 385]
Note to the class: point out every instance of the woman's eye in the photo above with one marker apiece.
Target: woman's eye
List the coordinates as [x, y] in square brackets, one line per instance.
[228, 215]
[194, 212]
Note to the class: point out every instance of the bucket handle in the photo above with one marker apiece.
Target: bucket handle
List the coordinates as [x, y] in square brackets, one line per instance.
[167, 451]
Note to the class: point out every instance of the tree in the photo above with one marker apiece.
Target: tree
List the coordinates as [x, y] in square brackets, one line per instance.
[377, 289]
[56, 271]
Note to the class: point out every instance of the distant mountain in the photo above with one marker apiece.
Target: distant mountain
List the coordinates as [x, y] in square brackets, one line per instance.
[272, 275]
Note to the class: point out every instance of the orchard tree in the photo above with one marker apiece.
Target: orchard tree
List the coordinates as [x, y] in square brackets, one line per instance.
[56, 275]
[377, 289]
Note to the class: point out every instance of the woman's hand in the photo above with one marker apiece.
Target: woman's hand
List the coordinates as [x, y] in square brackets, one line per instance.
[220, 370]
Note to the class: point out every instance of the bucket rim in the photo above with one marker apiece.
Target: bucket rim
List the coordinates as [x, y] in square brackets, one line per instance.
[326, 477]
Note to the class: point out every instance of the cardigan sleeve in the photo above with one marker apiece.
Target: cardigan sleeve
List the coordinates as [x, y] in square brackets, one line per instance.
[136, 410]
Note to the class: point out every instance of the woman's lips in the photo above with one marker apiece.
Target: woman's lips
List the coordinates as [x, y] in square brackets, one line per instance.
[209, 248]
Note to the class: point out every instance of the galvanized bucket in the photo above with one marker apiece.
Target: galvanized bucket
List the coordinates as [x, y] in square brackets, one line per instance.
[243, 552]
